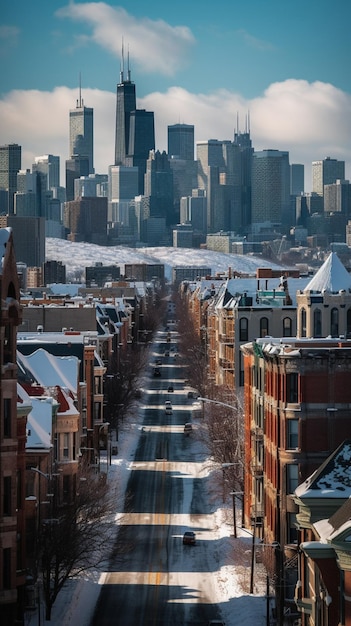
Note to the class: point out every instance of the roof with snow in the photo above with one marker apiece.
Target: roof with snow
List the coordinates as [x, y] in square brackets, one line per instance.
[50, 370]
[332, 277]
[332, 479]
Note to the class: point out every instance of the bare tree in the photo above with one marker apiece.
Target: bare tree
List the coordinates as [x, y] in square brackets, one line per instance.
[121, 381]
[76, 536]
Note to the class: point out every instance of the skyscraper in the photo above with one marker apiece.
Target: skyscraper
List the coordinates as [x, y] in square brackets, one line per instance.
[326, 172]
[135, 129]
[81, 125]
[125, 104]
[181, 141]
[270, 186]
[10, 165]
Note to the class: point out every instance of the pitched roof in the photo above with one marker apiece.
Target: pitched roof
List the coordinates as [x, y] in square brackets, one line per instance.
[332, 479]
[332, 277]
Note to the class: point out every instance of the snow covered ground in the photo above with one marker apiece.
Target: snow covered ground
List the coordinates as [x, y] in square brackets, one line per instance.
[231, 559]
[77, 256]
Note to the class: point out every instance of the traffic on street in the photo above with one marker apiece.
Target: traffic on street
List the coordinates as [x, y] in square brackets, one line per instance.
[160, 571]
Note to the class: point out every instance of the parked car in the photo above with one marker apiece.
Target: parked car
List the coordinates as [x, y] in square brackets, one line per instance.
[167, 353]
[168, 403]
[157, 371]
[158, 362]
[189, 538]
[216, 622]
[170, 389]
[188, 428]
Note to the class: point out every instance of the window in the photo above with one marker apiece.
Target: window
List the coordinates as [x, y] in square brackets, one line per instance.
[334, 322]
[292, 528]
[292, 477]
[348, 324]
[287, 327]
[317, 323]
[264, 330]
[65, 447]
[244, 329]
[292, 387]
[7, 417]
[292, 434]
[303, 322]
[6, 503]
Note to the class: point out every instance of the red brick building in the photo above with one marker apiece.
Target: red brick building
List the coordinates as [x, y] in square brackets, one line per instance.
[12, 444]
[297, 410]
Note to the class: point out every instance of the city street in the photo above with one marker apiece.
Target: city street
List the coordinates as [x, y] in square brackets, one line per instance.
[154, 579]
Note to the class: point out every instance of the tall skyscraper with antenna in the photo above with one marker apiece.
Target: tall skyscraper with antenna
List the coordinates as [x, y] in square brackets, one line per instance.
[126, 104]
[135, 131]
[81, 131]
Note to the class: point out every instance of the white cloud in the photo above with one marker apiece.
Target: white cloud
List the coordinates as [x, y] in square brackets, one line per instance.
[144, 37]
[310, 120]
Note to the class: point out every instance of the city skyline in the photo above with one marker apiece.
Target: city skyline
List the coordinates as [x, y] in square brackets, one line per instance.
[284, 65]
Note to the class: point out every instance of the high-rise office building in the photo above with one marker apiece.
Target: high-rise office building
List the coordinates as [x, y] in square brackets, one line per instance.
[297, 179]
[159, 186]
[10, 165]
[181, 141]
[141, 142]
[326, 172]
[81, 131]
[270, 187]
[125, 104]
[243, 141]
[135, 128]
[48, 165]
[76, 167]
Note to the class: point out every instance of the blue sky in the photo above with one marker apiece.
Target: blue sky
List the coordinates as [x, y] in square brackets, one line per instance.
[201, 63]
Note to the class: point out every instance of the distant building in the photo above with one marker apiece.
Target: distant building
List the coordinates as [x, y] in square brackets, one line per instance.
[183, 236]
[10, 165]
[144, 271]
[325, 172]
[337, 198]
[86, 220]
[271, 187]
[99, 274]
[297, 179]
[135, 129]
[34, 277]
[28, 238]
[189, 273]
[76, 167]
[159, 186]
[181, 141]
[54, 272]
[81, 133]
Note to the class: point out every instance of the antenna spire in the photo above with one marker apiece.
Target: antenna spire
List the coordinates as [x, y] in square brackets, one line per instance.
[121, 73]
[128, 69]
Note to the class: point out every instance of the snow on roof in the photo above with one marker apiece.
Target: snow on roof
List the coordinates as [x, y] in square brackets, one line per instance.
[332, 277]
[39, 420]
[332, 479]
[50, 370]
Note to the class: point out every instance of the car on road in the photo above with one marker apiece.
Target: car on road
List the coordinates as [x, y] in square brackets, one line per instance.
[170, 389]
[188, 428]
[189, 538]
